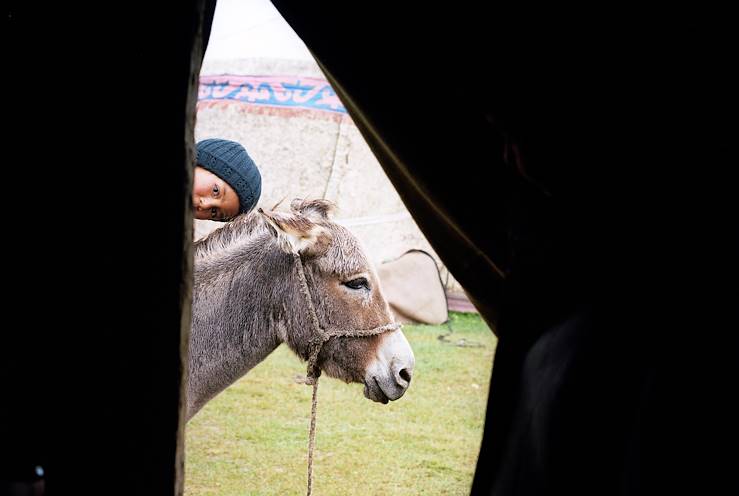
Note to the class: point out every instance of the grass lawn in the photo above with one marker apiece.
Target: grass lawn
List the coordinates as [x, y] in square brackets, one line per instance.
[252, 439]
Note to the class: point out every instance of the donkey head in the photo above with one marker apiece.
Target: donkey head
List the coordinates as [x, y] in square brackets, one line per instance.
[347, 296]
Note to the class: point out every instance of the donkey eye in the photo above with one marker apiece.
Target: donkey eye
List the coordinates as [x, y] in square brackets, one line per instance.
[358, 283]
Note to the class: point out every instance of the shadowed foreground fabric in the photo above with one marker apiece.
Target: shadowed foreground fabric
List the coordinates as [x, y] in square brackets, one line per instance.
[556, 166]
[571, 168]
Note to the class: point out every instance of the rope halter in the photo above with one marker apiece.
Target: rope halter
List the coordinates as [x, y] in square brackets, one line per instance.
[320, 335]
[318, 339]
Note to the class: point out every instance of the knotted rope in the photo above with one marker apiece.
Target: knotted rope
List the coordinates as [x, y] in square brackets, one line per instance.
[319, 338]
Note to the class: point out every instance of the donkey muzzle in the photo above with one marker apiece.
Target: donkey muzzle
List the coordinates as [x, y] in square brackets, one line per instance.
[389, 375]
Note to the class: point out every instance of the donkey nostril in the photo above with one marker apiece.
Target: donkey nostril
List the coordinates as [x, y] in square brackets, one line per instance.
[405, 375]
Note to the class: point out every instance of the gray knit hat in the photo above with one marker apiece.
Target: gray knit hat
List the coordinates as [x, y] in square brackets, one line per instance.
[229, 161]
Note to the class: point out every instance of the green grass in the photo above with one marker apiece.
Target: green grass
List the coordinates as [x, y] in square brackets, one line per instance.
[252, 438]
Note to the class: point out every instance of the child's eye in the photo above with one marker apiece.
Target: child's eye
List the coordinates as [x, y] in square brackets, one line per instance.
[216, 190]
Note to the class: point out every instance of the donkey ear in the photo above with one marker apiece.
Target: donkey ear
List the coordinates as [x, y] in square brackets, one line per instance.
[317, 210]
[297, 233]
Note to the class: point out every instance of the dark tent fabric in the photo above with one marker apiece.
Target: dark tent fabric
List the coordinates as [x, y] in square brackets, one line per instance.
[99, 147]
[551, 159]
[571, 167]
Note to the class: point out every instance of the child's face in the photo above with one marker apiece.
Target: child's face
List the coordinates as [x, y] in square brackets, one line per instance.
[212, 197]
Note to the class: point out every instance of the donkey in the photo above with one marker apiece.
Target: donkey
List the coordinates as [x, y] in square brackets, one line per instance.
[248, 298]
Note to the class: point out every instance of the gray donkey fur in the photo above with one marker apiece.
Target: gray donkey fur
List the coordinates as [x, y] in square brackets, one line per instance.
[247, 299]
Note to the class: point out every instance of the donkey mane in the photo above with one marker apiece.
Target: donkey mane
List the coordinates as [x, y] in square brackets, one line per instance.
[235, 235]
[229, 237]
